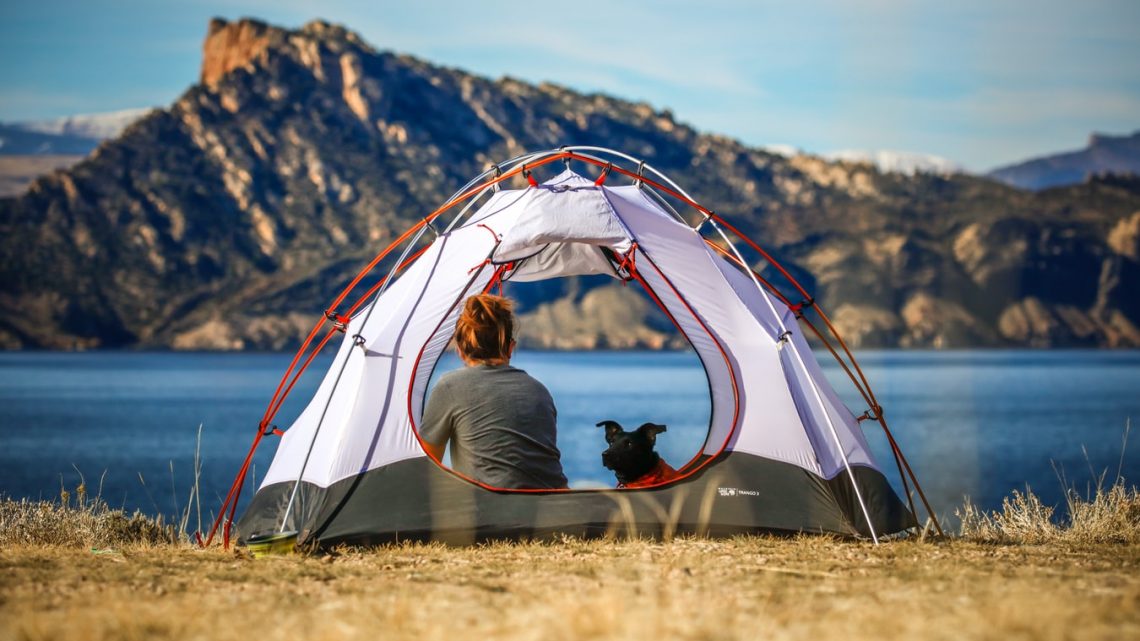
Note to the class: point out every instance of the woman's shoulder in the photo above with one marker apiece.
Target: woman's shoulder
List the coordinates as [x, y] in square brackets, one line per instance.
[528, 379]
[481, 375]
[466, 377]
[454, 377]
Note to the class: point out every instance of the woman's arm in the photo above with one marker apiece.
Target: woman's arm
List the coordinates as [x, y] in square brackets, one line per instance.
[436, 427]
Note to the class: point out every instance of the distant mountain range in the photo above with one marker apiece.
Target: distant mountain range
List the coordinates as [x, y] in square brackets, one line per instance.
[1104, 155]
[226, 220]
[70, 135]
[31, 149]
[78, 136]
[15, 140]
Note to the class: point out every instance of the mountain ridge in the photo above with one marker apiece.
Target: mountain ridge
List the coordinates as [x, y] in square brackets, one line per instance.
[226, 220]
[33, 148]
[93, 126]
[1103, 154]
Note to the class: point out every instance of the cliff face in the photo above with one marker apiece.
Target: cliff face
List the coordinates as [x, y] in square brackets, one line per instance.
[233, 46]
[229, 219]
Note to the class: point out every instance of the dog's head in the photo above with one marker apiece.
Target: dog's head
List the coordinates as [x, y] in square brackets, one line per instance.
[630, 454]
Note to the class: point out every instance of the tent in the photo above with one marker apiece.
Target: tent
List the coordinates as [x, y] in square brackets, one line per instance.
[782, 454]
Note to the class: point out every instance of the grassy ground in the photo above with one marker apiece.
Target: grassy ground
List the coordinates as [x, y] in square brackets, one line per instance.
[1009, 576]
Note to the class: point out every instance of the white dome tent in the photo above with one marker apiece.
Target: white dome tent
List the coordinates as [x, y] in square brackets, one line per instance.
[782, 453]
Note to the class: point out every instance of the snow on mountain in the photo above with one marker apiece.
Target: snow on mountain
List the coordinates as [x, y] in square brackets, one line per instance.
[779, 149]
[902, 162]
[98, 126]
[887, 161]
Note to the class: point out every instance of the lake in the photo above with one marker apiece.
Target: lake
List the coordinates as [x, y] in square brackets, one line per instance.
[976, 423]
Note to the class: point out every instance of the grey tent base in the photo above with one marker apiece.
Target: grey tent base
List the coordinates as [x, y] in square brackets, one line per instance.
[416, 500]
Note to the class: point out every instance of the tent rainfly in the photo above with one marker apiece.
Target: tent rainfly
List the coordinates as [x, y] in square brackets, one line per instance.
[783, 453]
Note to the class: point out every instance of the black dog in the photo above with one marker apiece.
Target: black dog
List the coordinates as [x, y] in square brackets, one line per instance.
[631, 456]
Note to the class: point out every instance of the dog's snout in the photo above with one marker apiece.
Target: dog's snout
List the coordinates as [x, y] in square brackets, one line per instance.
[607, 459]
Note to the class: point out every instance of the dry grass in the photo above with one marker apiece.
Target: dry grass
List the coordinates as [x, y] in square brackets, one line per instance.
[1008, 577]
[1111, 515]
[79, 521]
[747, 588]
[92, 526]
[1106, 514]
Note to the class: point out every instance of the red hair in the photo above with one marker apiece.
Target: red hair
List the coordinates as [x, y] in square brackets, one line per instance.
[485, 329]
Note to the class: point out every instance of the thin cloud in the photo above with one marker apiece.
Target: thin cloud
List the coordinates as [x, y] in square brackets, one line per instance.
[534, 46]
[975, 81]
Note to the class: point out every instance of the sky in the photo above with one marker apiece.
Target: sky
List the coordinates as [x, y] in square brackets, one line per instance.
[983, 83]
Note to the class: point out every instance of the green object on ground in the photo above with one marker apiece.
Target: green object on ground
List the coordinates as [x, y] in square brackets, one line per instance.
[271, 544]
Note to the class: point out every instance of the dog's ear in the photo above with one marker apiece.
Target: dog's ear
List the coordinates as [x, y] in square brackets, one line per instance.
[613, 428]
[651, 430]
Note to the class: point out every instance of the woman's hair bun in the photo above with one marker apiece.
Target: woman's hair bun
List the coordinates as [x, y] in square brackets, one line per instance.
[485, 328]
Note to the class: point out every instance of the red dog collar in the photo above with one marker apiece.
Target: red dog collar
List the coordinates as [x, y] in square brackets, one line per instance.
[661, 473]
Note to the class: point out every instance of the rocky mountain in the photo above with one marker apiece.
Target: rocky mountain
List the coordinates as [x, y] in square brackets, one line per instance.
[230, 218]
[1104, 155]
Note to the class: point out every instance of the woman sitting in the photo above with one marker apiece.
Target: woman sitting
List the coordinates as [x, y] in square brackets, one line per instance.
[500, 421]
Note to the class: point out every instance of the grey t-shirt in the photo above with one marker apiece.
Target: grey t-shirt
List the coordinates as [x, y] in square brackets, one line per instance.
[501, 425]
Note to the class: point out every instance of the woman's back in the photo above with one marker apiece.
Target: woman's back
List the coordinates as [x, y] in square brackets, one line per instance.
[501, 426]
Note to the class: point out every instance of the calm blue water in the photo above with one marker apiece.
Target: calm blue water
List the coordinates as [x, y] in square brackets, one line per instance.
[976, 423]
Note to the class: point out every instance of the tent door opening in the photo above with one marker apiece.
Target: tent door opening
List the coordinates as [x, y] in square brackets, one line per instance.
[552, 258]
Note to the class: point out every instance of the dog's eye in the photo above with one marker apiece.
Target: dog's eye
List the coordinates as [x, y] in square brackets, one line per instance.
[628, 444]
